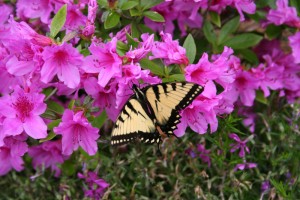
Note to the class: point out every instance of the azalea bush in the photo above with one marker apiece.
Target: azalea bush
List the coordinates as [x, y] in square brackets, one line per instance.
[67, 68]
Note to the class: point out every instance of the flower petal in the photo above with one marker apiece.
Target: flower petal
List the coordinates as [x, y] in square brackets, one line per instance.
[35, 127]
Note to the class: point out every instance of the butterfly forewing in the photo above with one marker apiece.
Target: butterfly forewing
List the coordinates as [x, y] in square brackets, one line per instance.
[167, 99]
[134, 123]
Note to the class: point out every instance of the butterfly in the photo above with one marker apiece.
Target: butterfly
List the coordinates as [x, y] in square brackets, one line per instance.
[152, 111]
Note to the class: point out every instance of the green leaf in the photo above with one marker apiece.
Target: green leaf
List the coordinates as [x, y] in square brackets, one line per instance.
[280, 187]
[260, 97]
[69, 166]
[248, 55]
[215, 18]
[145, 29]
[209, 33]
[50, 136]
[134, 12]
[122, 48]
[190, 47]
[174, 77]
[146, 4]
[152, 66]
[58, 21]
[71, 104]
[131, 41]
[154, 16]
[273, 31]
[135, 33]
[112, 20]
[99, 120]
[49, 115]
[296, 4]
[229, 28]
[55, 107]
[102, 3]
[128, 5]
[243, 41]
[264, 3]
[53, 124]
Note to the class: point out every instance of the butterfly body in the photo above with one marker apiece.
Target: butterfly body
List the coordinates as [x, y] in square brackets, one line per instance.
[152, 110]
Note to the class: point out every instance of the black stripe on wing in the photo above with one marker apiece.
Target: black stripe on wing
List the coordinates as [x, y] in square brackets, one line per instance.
[134, 123]
[167, 91]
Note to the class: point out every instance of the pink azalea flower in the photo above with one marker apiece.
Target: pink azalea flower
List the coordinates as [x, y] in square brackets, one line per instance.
[201, 112]
[11, 153]
[89, 28]
[295, 45]
[188, 14]
[35, 9]
[92, 10]
[269, 77]
[21, 30]
[7, 81]
[22, 61]
[75, 18]
[219, 5]
[104, 98]
[246, 84]
[121, 34]
[240, 144]
[169, 50]
[227, 100]
[96, 186]
[21, 110]
[144, 48]
[104, 60]
[249, 117]
[283, 14]
[6, 10]
[132, 73]
[77, 131]
[167, 11]
[247, 6]
[220, 69]
[244, 5]
[63, 61]
[47, 154]
[245, 165]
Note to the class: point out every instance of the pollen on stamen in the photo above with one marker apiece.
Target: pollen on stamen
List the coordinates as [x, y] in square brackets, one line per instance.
[23, 106]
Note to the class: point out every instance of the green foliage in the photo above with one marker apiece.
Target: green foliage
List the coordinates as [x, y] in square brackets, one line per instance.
[228, 28]
[190, 47]
[155, 68]
[243, 41]
[135, 171]
[111, 20]
[58, 21]
[154, 16]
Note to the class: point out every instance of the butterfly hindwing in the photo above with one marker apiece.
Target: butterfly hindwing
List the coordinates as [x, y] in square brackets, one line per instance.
[134, 123]
[167, 99]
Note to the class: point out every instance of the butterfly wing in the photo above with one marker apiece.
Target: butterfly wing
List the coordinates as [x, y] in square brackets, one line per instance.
[167, 99]
[134, 123]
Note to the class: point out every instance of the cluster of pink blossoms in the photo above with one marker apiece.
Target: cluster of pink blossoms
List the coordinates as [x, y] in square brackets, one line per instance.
[186, 12]
[31, 62]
